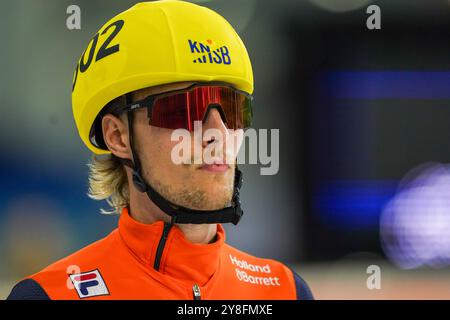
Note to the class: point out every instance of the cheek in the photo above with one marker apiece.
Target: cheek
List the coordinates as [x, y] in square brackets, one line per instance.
[151, 146]
[234, 143]
[160, 156]
[161, 146]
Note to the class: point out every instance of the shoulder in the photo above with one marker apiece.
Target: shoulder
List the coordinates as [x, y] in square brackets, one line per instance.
[245, 261]
[303, 290]
[28, 289]
[90, 255]
[52, 279]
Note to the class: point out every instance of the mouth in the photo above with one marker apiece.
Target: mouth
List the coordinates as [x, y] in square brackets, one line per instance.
[216, 166]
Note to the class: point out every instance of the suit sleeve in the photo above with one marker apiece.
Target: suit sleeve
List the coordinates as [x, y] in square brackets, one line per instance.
[303, 290]
[28, 289]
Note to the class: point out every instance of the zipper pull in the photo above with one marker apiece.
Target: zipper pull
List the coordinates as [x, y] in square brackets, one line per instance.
[161, 244]
[196, 290]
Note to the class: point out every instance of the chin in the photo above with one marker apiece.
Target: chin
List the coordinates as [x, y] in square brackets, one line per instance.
[216, 206]
[218, 200]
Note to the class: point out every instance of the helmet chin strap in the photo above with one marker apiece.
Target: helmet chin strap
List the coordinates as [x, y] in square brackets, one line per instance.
[178, 213]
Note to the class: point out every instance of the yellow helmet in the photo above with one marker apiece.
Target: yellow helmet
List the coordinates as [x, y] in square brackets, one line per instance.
[155, 43]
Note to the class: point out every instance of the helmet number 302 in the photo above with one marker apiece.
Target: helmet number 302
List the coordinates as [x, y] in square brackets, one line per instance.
[104, 50]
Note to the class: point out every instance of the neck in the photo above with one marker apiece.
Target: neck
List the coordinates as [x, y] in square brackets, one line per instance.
[199, 233]
[145, 211]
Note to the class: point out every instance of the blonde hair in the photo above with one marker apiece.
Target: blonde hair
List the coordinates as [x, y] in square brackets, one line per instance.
[108, 181]
[107, 176]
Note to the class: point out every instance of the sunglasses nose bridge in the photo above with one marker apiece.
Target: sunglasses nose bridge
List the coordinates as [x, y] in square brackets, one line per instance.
[219, 108]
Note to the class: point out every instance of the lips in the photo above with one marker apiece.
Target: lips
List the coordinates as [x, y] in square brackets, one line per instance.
[217, 166]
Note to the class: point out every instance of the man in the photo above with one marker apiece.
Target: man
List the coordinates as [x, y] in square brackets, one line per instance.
[155, 68]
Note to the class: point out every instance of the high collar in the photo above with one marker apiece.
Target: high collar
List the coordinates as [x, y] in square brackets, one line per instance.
[181, 259]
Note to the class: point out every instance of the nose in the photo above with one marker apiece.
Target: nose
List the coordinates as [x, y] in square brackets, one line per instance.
[213, 120]
[231, 139]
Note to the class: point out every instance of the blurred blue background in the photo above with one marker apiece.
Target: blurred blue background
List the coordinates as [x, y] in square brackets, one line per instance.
[358, 111]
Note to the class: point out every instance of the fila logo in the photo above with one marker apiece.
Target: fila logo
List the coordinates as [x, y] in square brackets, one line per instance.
[219, 55]
[89, 284]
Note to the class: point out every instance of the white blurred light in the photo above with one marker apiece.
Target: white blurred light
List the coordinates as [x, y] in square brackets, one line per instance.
[340, 5]
[415, 224]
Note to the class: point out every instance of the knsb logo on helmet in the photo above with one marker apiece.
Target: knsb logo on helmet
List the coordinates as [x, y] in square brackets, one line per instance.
[221, 54]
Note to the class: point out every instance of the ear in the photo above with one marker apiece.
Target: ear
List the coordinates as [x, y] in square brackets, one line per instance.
[115, 134]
